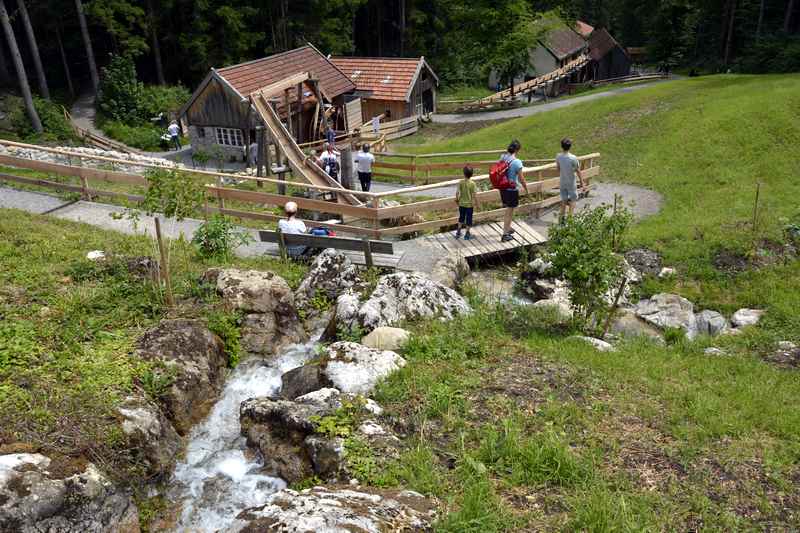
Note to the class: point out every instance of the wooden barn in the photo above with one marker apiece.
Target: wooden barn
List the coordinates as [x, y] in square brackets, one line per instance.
[609, 59]
[218, 114]
[404, 87]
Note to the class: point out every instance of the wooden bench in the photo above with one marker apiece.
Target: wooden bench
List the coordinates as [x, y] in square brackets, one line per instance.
[364, 245]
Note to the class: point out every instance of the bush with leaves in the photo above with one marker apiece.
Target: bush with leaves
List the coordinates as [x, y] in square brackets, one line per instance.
[218, 237]
[55, 124]
[172, 193]
[166, 99]
[121, 93]
[582, 253]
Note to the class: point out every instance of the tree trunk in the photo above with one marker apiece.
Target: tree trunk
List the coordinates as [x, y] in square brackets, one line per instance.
[64, 62]
[760, 20]
[20, 67]
[729, 38]
[154, 43]
[402, 27]
[87, 42]
[787, 20]
[34, 49]
[5, 75]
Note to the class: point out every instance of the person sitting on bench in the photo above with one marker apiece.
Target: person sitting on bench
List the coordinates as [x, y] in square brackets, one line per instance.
[292, 226]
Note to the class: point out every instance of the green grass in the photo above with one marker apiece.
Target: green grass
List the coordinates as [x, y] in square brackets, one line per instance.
[68, 331]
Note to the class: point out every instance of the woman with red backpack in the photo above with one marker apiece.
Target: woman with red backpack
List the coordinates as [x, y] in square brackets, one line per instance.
[506, 175]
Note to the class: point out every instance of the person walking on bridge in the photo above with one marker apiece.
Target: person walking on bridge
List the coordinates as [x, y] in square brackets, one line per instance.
[510, 195]
[568, 167]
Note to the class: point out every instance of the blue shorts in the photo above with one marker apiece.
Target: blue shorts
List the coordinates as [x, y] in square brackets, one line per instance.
[569, 193]
[465, 215]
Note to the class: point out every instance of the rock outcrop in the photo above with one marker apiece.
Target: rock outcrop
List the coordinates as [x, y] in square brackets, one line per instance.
[356, 369]
[35, 497]
[746, 317]
[271, 321]
[450, 271]
[400, 297]
[302, 380]
[150, 434]
[386, 338]
[627, 324]
[362, 509]
[194, 359]
[665, 310]
[711, 323]
[331, 274]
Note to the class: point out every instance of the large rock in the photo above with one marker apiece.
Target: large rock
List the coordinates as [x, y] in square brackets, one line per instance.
[400, 297]
[562, 310]
[329, 509]
[450, 271]
[386, 338]
[356, 369]
[35, 496]
[665, 310]
[302, 380]
[710, 323]
[746, 317]
[331, 274]
[271, 321]
[196, 360]
[150, 434]
[627, 324]
[644, 260]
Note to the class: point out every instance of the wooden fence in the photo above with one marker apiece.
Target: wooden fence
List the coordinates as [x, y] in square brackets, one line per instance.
[369, 219]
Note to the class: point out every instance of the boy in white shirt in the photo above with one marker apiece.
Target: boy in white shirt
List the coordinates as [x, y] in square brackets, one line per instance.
[364, 161]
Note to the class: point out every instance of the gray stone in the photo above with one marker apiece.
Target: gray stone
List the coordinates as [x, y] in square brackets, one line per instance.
[150, 434]
[540, 266]
[714, 351]
[327, 455]
[386, 338]
[331, 273]
[667, 272]
[563, 310]
[450, 271]
[710, 323]
[355, 368]
[665, 310]
[746, 317]
[33, 498]
[598, 344]
[330, 509]
[196, 360]
[645, 261]
[627, 324]
[302, 380]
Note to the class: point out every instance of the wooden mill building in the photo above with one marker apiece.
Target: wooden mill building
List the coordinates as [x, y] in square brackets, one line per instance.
[406, 87]
[219, 116]
[609, 59]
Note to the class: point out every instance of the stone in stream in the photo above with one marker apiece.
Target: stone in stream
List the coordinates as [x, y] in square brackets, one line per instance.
[400, 297]
[36, 495]
[386, 338]
[356, 369]
[150, 434]
[665, 310]
[331, 273]
[340, 508]
[302, 380]
[627, 324]
[711, 323]
[195, 361]
[450, 271]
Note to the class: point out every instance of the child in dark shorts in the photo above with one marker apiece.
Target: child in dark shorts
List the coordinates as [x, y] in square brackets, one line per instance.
[467, 201]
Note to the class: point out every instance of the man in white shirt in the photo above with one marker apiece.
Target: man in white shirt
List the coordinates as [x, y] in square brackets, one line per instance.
[376, 124]
[175, 134]
[292, 226]
[364, 161]
[330, 161]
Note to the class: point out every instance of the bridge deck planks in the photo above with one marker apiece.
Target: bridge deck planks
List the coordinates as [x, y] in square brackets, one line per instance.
[485, 240]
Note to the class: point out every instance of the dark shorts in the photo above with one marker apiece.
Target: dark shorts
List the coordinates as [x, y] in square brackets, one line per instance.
[366, 180]
[465, 215]
[510, 197]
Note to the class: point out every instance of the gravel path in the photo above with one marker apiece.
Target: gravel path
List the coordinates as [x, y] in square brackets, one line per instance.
[536, 109]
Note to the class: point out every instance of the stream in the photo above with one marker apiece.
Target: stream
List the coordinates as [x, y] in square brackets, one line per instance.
[219, 477]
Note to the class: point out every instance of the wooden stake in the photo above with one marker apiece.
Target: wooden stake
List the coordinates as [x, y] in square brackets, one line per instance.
[367, 252]
[164, 264]
[282, 244]
[614, 307]
[755, 206]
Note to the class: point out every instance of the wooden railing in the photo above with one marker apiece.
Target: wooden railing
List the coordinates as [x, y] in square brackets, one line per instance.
[369, 219]
[95, 140]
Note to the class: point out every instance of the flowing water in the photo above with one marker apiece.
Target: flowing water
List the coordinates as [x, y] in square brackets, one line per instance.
[219, 477]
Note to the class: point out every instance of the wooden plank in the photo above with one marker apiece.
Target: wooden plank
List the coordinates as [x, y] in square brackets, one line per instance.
[305, 203]
[401, 166]
[534, 237]
[523, 230]
[283, 84]
[68, 170]
[312, 223]
[318, 241]
[70, 188]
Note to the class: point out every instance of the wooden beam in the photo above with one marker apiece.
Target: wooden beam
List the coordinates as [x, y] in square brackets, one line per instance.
[305, 203]
[80, 172]
[282, 85]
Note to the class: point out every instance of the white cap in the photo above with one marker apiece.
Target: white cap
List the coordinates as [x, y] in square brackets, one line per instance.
[290, 207]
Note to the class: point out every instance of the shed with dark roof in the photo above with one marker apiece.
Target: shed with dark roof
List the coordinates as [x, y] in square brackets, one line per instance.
[218, 113]
[609, 59]
[404, 86]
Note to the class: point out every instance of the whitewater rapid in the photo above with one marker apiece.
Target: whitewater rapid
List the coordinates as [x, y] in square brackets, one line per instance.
[219, 477]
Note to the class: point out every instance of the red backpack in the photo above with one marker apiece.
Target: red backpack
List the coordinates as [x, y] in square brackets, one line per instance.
[498, 175]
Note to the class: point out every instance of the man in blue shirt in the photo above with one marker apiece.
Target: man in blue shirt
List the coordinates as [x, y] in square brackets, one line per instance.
[510, 196]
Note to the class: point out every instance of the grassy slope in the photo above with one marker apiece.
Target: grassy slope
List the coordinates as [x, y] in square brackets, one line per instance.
[521, 429]
[67, 332]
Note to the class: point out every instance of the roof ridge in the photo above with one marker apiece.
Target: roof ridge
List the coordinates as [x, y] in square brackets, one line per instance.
[265, 57]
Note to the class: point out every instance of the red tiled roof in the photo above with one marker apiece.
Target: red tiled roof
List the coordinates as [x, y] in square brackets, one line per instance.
[563, 42]
[585, 30]
[600, 43]
[386, 78]
[253, 75]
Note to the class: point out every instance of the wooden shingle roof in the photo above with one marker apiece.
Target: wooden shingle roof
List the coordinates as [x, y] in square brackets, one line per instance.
[386, 78]
[563, 42]
[584, 29]
[248, 77]
[601, 43]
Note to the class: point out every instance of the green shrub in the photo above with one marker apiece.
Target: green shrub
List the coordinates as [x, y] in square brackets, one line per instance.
[166, 99]
[771, 54]
[121, 94]
[145, 137]
[218, 237]
[226, 326]
[55, 124]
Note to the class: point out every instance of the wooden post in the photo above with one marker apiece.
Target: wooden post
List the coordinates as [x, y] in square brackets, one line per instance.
[221, 200]
[282, 187]
[85, 189]
[299, 112]
[414, 170]
[164, 264]
[614, 307]
[755, 207]
[260, 155]
[282, 244]
[267, 156]
[346, 174]
[288, 108]
[367, 252]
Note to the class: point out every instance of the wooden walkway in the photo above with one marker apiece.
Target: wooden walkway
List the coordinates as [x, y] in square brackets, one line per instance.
[485, 240]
